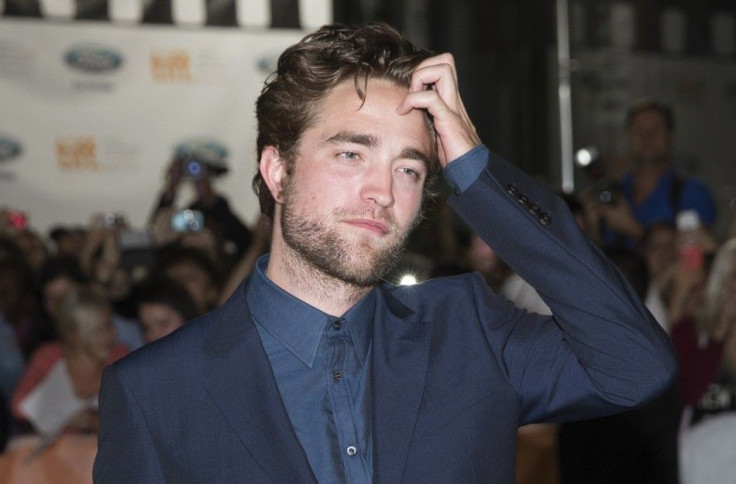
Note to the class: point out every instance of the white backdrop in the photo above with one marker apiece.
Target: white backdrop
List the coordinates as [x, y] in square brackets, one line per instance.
[91, 112]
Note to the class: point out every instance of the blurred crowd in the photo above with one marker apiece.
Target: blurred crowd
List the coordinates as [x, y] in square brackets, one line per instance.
[77, 298]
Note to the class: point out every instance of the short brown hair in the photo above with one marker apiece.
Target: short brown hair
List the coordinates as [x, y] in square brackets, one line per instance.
[310, 69]
[647, 105]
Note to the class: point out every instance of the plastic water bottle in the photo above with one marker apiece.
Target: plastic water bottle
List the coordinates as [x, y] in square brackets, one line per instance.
[691, 250]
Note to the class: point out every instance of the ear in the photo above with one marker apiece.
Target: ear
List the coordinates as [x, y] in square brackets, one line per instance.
[273, 171]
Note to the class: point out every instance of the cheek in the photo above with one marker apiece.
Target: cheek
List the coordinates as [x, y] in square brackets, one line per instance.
[408, 202]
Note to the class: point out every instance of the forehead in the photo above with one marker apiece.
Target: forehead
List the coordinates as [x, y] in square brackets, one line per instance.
[648, 118]
[342, 109]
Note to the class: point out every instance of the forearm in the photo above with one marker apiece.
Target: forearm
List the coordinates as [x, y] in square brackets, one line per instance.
[614, 339]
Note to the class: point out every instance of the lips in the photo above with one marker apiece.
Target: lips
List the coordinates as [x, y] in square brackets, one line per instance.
[376, 226]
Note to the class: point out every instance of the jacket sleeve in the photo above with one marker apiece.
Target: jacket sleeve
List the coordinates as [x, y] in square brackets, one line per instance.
[125, 450]
[601, 351]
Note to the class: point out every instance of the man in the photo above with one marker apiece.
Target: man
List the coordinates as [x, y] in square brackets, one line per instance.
[653, 191]
[314, 370]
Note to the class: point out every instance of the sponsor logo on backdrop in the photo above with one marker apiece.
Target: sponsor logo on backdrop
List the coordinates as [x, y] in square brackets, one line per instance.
[9, 148]
[171, 66]
[77, 153]
[93, 59]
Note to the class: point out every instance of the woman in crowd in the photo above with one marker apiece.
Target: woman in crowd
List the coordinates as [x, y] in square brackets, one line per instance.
[706, 341]
[164, 306]
[706, 345]
[87, 344]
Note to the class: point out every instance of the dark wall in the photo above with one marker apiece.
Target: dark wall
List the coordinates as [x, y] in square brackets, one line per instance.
[500, 48]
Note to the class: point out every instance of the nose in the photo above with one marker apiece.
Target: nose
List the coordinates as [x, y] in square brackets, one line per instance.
[378, 186]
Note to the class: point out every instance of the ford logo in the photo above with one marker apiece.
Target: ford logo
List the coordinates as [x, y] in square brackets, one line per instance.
[93, 59]
[9, 149]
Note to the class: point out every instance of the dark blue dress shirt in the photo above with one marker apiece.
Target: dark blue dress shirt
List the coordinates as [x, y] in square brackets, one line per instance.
[321, 363]
[322, 369]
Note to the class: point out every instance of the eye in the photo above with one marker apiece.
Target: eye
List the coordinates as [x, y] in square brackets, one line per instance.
[349, 155]
[411, 172]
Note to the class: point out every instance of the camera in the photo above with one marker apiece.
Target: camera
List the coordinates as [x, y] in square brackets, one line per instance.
[193, 168]
[187, 221]
[202, 158]
[137, 248]
[607, 191]
[111, 219]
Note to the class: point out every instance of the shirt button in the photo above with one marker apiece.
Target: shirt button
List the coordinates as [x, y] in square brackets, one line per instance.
[337, 325]
[337, 375]
[351, 450]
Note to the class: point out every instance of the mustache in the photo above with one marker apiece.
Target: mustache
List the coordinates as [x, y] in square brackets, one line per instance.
[379, 215]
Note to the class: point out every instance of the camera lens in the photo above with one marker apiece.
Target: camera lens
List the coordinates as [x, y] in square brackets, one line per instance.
[194, 169]
[606, 196]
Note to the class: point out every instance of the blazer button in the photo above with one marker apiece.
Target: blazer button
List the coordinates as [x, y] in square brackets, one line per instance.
[545, 219]
[512, 190]
[523, 199]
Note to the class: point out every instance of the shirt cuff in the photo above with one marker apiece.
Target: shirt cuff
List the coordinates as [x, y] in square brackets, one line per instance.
[462, 172]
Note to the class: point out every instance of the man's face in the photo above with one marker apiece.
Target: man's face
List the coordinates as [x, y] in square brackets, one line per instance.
[650, 142]
[356, 188]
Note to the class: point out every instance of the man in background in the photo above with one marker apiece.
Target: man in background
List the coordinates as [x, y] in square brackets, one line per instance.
[653, 191]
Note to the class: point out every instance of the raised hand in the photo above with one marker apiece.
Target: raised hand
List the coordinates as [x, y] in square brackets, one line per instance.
[434, 88]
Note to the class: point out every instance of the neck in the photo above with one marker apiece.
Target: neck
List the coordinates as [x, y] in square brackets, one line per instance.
[646, 177]
[288, 270]
[651, 167]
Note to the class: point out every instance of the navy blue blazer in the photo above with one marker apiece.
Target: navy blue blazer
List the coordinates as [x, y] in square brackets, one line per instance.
[455, 368]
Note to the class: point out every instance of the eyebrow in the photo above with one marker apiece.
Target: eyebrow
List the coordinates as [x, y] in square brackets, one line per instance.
[372, 141]
[356, 138]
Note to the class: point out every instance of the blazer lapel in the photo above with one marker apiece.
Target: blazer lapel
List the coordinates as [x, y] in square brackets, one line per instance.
[399, 369]
[240, 381]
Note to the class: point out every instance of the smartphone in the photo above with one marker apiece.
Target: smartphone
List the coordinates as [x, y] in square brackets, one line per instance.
[137, 249]
[187, 221]
[134, 239]
[111, 219]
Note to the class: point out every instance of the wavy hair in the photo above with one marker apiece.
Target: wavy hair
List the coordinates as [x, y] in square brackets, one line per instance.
[309, 70]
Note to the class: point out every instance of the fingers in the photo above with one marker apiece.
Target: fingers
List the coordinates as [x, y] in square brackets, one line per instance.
[440, 64]
[436, 74]
[434, 87]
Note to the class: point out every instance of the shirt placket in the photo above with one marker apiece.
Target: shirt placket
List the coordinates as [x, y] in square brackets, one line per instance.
[344, 371]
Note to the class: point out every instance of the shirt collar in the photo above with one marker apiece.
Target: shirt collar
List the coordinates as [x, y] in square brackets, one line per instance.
[299, 326]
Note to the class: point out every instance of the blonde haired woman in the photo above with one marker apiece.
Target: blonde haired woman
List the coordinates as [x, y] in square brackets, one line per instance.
[87, 344]
[706, 345]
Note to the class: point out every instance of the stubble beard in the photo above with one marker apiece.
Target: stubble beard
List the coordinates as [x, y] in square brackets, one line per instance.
[318, 244]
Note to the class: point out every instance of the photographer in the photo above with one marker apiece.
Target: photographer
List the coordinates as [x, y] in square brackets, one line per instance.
[652, 191]
[214, 208]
